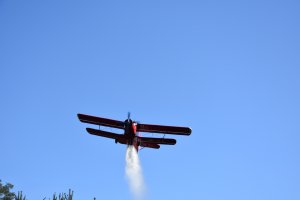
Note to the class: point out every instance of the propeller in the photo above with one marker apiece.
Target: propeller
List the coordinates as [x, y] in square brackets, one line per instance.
[128, 116]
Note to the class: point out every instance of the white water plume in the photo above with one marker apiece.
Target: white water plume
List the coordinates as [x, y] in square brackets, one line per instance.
[134, 173]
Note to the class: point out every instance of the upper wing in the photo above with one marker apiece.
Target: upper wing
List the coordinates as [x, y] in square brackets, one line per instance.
[157, 140]
[101, 121]
[106, 134]
[176, 130]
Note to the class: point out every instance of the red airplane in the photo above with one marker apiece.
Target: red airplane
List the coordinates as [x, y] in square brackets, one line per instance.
[131, 129]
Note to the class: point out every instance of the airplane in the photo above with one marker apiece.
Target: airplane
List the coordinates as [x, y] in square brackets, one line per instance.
[131, 129]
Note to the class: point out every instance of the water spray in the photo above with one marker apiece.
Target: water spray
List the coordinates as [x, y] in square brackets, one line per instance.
[134, 174]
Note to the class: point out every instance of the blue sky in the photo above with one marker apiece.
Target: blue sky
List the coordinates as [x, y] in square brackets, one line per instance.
[228, 69]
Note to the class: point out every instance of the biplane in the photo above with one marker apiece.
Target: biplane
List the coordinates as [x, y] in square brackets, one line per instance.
[132, 129]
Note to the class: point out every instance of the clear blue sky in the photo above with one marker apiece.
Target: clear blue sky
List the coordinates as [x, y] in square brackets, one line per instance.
[228, 69]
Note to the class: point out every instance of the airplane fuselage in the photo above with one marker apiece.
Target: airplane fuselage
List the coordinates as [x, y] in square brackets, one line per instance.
[131, 133]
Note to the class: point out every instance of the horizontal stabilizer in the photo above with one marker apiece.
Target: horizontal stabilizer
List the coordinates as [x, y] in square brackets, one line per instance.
[150, 145]
[157, 140]
[106, 134]
[176, 130]
[101, 121]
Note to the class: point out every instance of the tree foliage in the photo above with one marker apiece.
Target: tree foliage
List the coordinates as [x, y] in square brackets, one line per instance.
[7, 194]
[20, 196]
[63, 196]
[5, 191]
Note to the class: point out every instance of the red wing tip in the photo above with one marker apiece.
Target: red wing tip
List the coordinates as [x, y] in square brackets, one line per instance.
[172, 142]
[91, 131]
[88, 129]
[79, 115]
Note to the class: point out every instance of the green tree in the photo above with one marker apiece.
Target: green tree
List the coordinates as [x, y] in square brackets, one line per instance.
[20, 196]
[64, 196]
[5, 193]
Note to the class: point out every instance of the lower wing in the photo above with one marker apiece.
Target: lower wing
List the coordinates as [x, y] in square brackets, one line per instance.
[106, 134]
